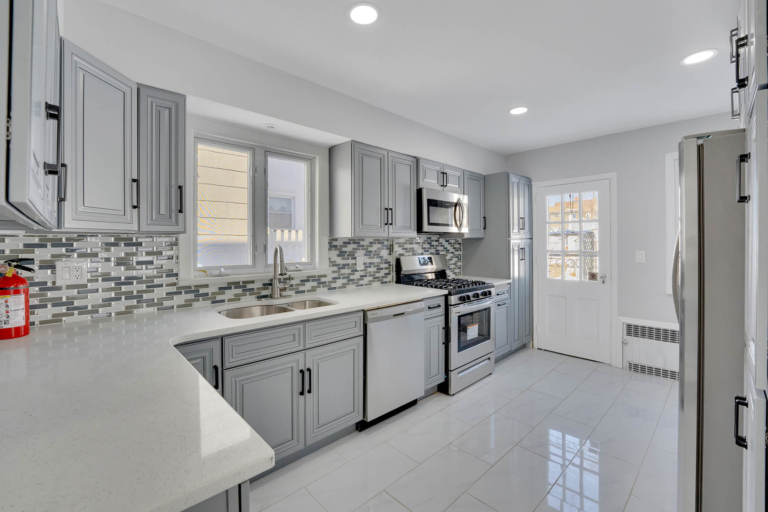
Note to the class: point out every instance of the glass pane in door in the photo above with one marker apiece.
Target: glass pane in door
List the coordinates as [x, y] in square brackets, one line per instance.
[588, 205]
[554, 208]
[572, 266]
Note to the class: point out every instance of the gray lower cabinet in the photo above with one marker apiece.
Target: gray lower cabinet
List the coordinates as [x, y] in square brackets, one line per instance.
[162, 140]
[205, 357]
[525, 291]
[502, 310]
[100, 178]
[235, 499]
[474, 189]
[334, 394]
[434, 351]
[270, 396]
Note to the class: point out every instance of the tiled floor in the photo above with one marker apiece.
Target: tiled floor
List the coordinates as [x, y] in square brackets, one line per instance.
[544, 433]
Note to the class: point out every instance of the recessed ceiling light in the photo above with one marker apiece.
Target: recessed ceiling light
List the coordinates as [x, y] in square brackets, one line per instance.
[518, 110]
[698, 57]
[364, 14]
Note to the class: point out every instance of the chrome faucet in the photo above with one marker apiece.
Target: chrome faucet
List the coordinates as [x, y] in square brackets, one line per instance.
[278, 270]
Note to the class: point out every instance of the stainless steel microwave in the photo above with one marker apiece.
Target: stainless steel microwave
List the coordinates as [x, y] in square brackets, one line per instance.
[442, 212]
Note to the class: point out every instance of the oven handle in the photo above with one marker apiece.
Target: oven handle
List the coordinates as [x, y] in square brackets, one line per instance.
[472, 306]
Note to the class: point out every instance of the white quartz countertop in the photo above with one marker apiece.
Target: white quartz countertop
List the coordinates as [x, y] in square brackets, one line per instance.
[106, 415]
[492, 280]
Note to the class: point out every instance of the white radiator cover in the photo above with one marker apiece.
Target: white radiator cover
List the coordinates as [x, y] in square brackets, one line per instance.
[652, 348]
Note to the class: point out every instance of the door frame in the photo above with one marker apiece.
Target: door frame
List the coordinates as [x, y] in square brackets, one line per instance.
[538, 220]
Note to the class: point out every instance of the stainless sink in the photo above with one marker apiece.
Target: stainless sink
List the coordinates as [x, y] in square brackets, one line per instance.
[254, 311]
[308, 304]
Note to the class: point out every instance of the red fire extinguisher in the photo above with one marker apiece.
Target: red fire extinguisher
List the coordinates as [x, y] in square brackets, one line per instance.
[14, 299]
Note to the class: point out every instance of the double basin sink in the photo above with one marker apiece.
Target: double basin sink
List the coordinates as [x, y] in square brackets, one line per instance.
[272, 309]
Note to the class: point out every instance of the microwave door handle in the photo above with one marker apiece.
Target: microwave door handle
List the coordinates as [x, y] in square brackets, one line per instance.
[455, 213]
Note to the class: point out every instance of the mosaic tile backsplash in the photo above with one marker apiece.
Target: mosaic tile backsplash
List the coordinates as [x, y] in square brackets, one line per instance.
[134, 274]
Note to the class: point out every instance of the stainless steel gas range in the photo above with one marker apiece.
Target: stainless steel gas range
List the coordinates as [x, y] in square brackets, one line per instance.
[469, 318]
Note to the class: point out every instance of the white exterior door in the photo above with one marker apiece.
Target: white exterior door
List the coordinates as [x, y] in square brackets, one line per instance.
[573, 256]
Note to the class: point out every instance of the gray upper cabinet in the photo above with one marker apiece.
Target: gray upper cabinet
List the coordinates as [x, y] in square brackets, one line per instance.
[526, 208]
[402, 195]
[205, 357]
[270, 397]
[520, 204]
[334, 394]
[373, 192]
[100, 145]
[32, 181]
[162, 122]
[430, 174]
[474, 189]
[434, 351]
[453, 179]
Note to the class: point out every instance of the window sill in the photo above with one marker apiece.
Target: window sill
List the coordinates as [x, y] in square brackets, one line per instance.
[266, 276]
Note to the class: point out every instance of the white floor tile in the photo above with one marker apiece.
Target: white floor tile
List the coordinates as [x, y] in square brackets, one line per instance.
[493, 438]
[665, 436]
[558, 385]
[356, 444]
[657, 481]
[624, 438]
[552, 504]
[512, 383]
[518, 482]
[539, 366]
[476, 407]
[530, 407]
[382, 502]
[635, 504]
[360, 480]
[552, 356]
[638, 406]
[613, 370]
[427, 407]
[655, 386]
[438, 482]
[557, 438]
[467, 503]
[577, 367]
[603, 384]
[584, 407]
[594, 481]
[427, 438]
[300, 500]
[287, 480]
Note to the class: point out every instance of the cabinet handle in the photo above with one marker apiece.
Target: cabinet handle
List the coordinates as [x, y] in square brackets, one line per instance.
[309, 380]
[484, 223]
[732, 43]
[50, 169]
[181, 198]
[390, 216]
[52, 112]
[501, 304]
[522, 254]
[63, 184]
[741, 43]
[522, 223]
[740, 197]
[215, 377]
[301, 377]
[135, 182]
[739, 401]
[735, 114]
[445, 179]
[434, 306]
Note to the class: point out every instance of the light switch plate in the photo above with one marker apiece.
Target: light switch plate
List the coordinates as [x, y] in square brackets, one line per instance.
[639, 256]
[71, 272]
[360, 262]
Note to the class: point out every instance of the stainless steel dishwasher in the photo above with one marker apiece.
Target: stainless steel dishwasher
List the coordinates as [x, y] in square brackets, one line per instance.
[394, 358]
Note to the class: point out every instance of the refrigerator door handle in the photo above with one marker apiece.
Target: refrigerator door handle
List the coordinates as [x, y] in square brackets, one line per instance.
[739, 401]
[676, 277]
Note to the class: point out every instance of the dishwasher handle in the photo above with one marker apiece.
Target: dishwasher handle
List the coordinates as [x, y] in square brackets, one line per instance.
[403, 310]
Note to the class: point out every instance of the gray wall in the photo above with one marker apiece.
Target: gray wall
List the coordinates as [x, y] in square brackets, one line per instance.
[637, 157]
[155, 55]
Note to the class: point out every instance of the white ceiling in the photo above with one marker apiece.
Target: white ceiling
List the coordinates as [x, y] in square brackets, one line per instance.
[585, 68]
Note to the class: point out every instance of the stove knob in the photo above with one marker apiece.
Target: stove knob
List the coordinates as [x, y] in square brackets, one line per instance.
[475, 295]
[486, 293]
[463, 298]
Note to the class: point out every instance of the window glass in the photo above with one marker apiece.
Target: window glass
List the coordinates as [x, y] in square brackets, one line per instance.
[223, 233]
[572, 236]
[288, 179]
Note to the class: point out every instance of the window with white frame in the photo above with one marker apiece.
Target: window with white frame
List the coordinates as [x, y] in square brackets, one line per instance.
[249, 199]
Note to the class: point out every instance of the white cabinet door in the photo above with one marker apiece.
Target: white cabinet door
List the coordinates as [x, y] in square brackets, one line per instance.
[34, 54]
[100, 145]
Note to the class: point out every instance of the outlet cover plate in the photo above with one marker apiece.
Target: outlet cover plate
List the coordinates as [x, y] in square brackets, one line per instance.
[71, 272]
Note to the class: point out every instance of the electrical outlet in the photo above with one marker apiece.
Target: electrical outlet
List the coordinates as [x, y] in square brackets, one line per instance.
[360, 262]
[639, 256]
[71, 272]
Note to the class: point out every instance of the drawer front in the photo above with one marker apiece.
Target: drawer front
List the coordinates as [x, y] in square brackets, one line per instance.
[502, 292]
[333, 329]
[434, 307]
[264, 344]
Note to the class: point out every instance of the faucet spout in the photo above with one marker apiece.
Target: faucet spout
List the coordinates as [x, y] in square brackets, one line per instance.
[278, 270]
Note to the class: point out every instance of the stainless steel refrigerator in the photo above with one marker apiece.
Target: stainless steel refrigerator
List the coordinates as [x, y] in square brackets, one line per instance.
[708, 287]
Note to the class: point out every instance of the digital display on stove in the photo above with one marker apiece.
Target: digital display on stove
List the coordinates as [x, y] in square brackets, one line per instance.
[425, 261]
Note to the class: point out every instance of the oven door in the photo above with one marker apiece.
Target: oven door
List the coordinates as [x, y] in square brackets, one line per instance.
[471, 332]
[442, 212]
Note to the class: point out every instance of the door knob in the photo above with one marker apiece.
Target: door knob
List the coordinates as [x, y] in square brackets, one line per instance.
[602, 278]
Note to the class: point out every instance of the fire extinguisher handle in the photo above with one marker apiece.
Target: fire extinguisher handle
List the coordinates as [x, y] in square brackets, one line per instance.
[18, 263]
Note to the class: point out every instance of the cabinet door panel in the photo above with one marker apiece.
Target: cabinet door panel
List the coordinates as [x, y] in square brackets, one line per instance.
[514, 328]
[402, 195]
[370, 177]
[434, 351]
[474, 189]
[335, 388]
[100, 144]
[526, 208]
[430, 174]
[515, 211]
[525, 304]
[161, 159]
[205, 357]
[501, 326]
[454, 179]
[267, 396]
